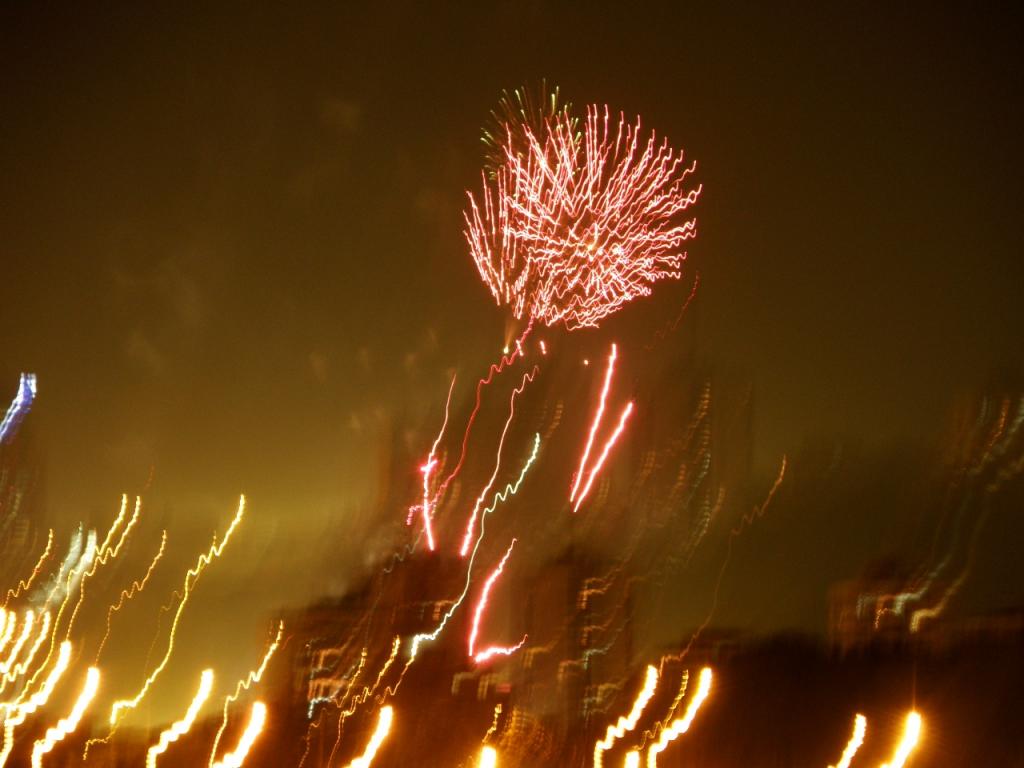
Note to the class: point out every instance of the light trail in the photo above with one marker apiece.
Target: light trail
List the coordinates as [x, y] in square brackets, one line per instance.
[10, 623]
[17, 714]
[257, 719]
[908, 743]
[20, 405]
[860, 726]
[57, 733]
[25, 584]
[488, 757]
[191, 577]
[253, 677]
[626, 412]
[428, 467]
[682, 725]
[379, 734]
[26, 630]
[13, 672]
[494, 650]
[470, 526]
[628, 722]
[598, 415]
[127, 594]
[181, 727]
[632, 759]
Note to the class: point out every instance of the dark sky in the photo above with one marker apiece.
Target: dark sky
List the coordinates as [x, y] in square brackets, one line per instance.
[231, 241]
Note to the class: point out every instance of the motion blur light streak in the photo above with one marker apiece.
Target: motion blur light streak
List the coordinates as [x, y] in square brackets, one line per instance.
[598, 415]
[627, 722]
[191, 577]
[682, 725]
[632, 759]
[17, 714]
[481, 605]
[428, 466]
[181, 727]
[623, 418]
[569, 231]
[257, 719]
[57, 733]
[19, 406]
[860, 725]
[379, 734]
[244, 684]
[488, 758]
[127, 594]
[911, 735]
[26, 583]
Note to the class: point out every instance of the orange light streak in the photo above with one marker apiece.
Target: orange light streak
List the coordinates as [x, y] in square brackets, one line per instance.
[12, 674]
[191, 577]
[911, 736]
[128, 594]
[598, 415]
[181, 727]
[682, 725]
[17, 714]
[627, 411]
[488, 758]
[428, 466]
[860, 726]
[57, 733]
[25, 584]
[628, 722]
[379, 734]
[491, 651]
[257, 719]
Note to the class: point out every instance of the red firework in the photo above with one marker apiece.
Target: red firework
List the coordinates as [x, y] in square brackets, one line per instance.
[574, 226]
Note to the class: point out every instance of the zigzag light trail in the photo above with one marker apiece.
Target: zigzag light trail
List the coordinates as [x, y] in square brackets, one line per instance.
[25, 584]
[191, 577]
[17, 714]
[628, 722]
[127, 594]
[682, 725]
[257, 719]
[57, 733]
[253, 677]
[181, 727]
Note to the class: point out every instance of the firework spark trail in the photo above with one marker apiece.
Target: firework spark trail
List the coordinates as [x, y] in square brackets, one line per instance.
[428, 466]
[181, 727]
[468, 536]
[911, 735]
[257, 719]
[19, 406]
[499, 497]
[860, 726]
[18, 713]
[57, 733]
[10, 674]
[191, 577]
[26, 583]
[488, 757]
[682, 725]
[244, 684]
[494, 370]
[481, 606]
[628, 722]
[568, 233]
[626, 412]
[598, 415]
[127, 594]
[379, 734]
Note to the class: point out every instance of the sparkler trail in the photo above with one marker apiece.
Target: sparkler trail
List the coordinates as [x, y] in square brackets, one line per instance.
[20, 405]
[626, 412]
[494, 650]
[598, 415]
[428, 466]
[257, 719]
[25, 584]
[57, 733]
[379, 734]
[628, 722]
[128, 594]
[468, 536]
[253, 677]
[191, 577]
[572, 229]
[17, 714]
[911, 735]
[181, 727]
[860, 726]
[682, 725]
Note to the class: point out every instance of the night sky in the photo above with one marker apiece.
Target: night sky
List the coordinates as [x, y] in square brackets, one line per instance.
[231, 249]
